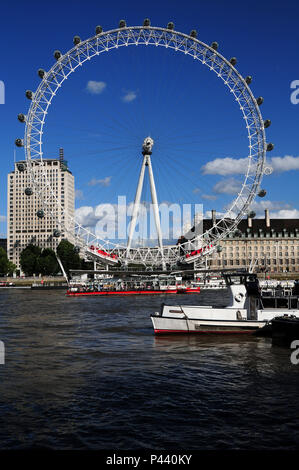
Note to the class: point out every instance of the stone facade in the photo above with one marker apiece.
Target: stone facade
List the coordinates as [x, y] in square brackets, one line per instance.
[270, 245]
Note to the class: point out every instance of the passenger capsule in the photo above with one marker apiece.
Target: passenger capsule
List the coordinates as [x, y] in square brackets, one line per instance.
[267, 123]
[28, 191]
[29, 94]
[260, 100]
[40, 214]
[19, 143]
[170, 25]
[237, 233]
[56, 233]
[233, 61]
[76, 40]
[147, 22]
[214, 45]
[248, 79]
[251, 214]
[77, 249]
[21, 167]
[193, 33]
[41, 73]
[21, 117]
[262, 193]
[57, 55]
[122, 24]
[99, 29]
[219, 249]
[270, 147]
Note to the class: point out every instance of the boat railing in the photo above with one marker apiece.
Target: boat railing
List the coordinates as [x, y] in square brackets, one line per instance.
[277, 292]
[290, 302]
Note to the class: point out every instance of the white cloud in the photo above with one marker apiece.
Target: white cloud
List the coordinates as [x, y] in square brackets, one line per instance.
[102, 182]
[285, 214]
[260, 206]
[277, 209]
[101, 220]
[129, 96]
[95, 88]
[2, 218]
[196, 190]
[227, 186]
[209, 197]
[233, 166]
[225, 166]
[85, 216]
[286, 163]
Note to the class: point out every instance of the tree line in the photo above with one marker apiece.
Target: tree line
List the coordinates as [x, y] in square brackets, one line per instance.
[6, 266]
[35, 260]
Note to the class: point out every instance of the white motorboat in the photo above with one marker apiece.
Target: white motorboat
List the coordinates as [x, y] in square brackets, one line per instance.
[245, 313]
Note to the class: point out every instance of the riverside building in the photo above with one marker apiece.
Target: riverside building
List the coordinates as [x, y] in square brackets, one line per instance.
[268, 245]
[24, 226]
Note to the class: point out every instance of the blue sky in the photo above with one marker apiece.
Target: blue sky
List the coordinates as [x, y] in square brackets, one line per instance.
[106, 109]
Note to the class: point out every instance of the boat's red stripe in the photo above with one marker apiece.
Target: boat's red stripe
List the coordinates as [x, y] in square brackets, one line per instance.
[204, 332]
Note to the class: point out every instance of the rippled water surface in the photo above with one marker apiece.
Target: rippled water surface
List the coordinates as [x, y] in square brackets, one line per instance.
[88, 373]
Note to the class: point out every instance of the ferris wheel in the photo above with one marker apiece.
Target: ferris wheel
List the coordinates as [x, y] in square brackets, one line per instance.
[104, 250]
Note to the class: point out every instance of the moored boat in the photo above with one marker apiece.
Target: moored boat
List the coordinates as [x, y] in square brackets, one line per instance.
[245, 313]
[285, 329]
[106, 292]
[134, 286]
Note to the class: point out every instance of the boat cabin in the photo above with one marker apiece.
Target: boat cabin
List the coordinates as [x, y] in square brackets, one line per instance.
[246, 293]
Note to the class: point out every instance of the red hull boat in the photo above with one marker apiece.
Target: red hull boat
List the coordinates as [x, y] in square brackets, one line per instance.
[188, 290]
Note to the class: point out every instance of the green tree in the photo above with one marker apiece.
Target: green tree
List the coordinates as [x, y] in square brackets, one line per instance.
[11, 268]
[69, 257]
[3, 262]
[29, 260]
[47, 262]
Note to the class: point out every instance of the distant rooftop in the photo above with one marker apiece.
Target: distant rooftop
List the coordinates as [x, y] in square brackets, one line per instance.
[257, 225]
[60, 159]
[255, 228]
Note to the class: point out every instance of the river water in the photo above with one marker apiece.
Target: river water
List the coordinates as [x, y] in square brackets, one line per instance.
[88, 373]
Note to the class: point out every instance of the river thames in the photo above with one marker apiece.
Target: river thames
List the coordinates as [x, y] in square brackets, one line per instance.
[88, 373]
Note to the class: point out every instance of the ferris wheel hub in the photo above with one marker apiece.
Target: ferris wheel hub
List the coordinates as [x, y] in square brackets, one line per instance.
[147, 146]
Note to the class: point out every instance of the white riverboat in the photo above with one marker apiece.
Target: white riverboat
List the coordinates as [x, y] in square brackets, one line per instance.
[247, 311]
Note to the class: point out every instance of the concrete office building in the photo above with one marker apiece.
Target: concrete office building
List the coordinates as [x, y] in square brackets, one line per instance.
[23, 224]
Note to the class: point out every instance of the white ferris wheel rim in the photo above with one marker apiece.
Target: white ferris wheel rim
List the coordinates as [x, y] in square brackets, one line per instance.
[207, 55]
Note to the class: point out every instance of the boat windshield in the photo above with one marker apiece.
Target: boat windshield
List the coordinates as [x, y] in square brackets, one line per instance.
[239, 278]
